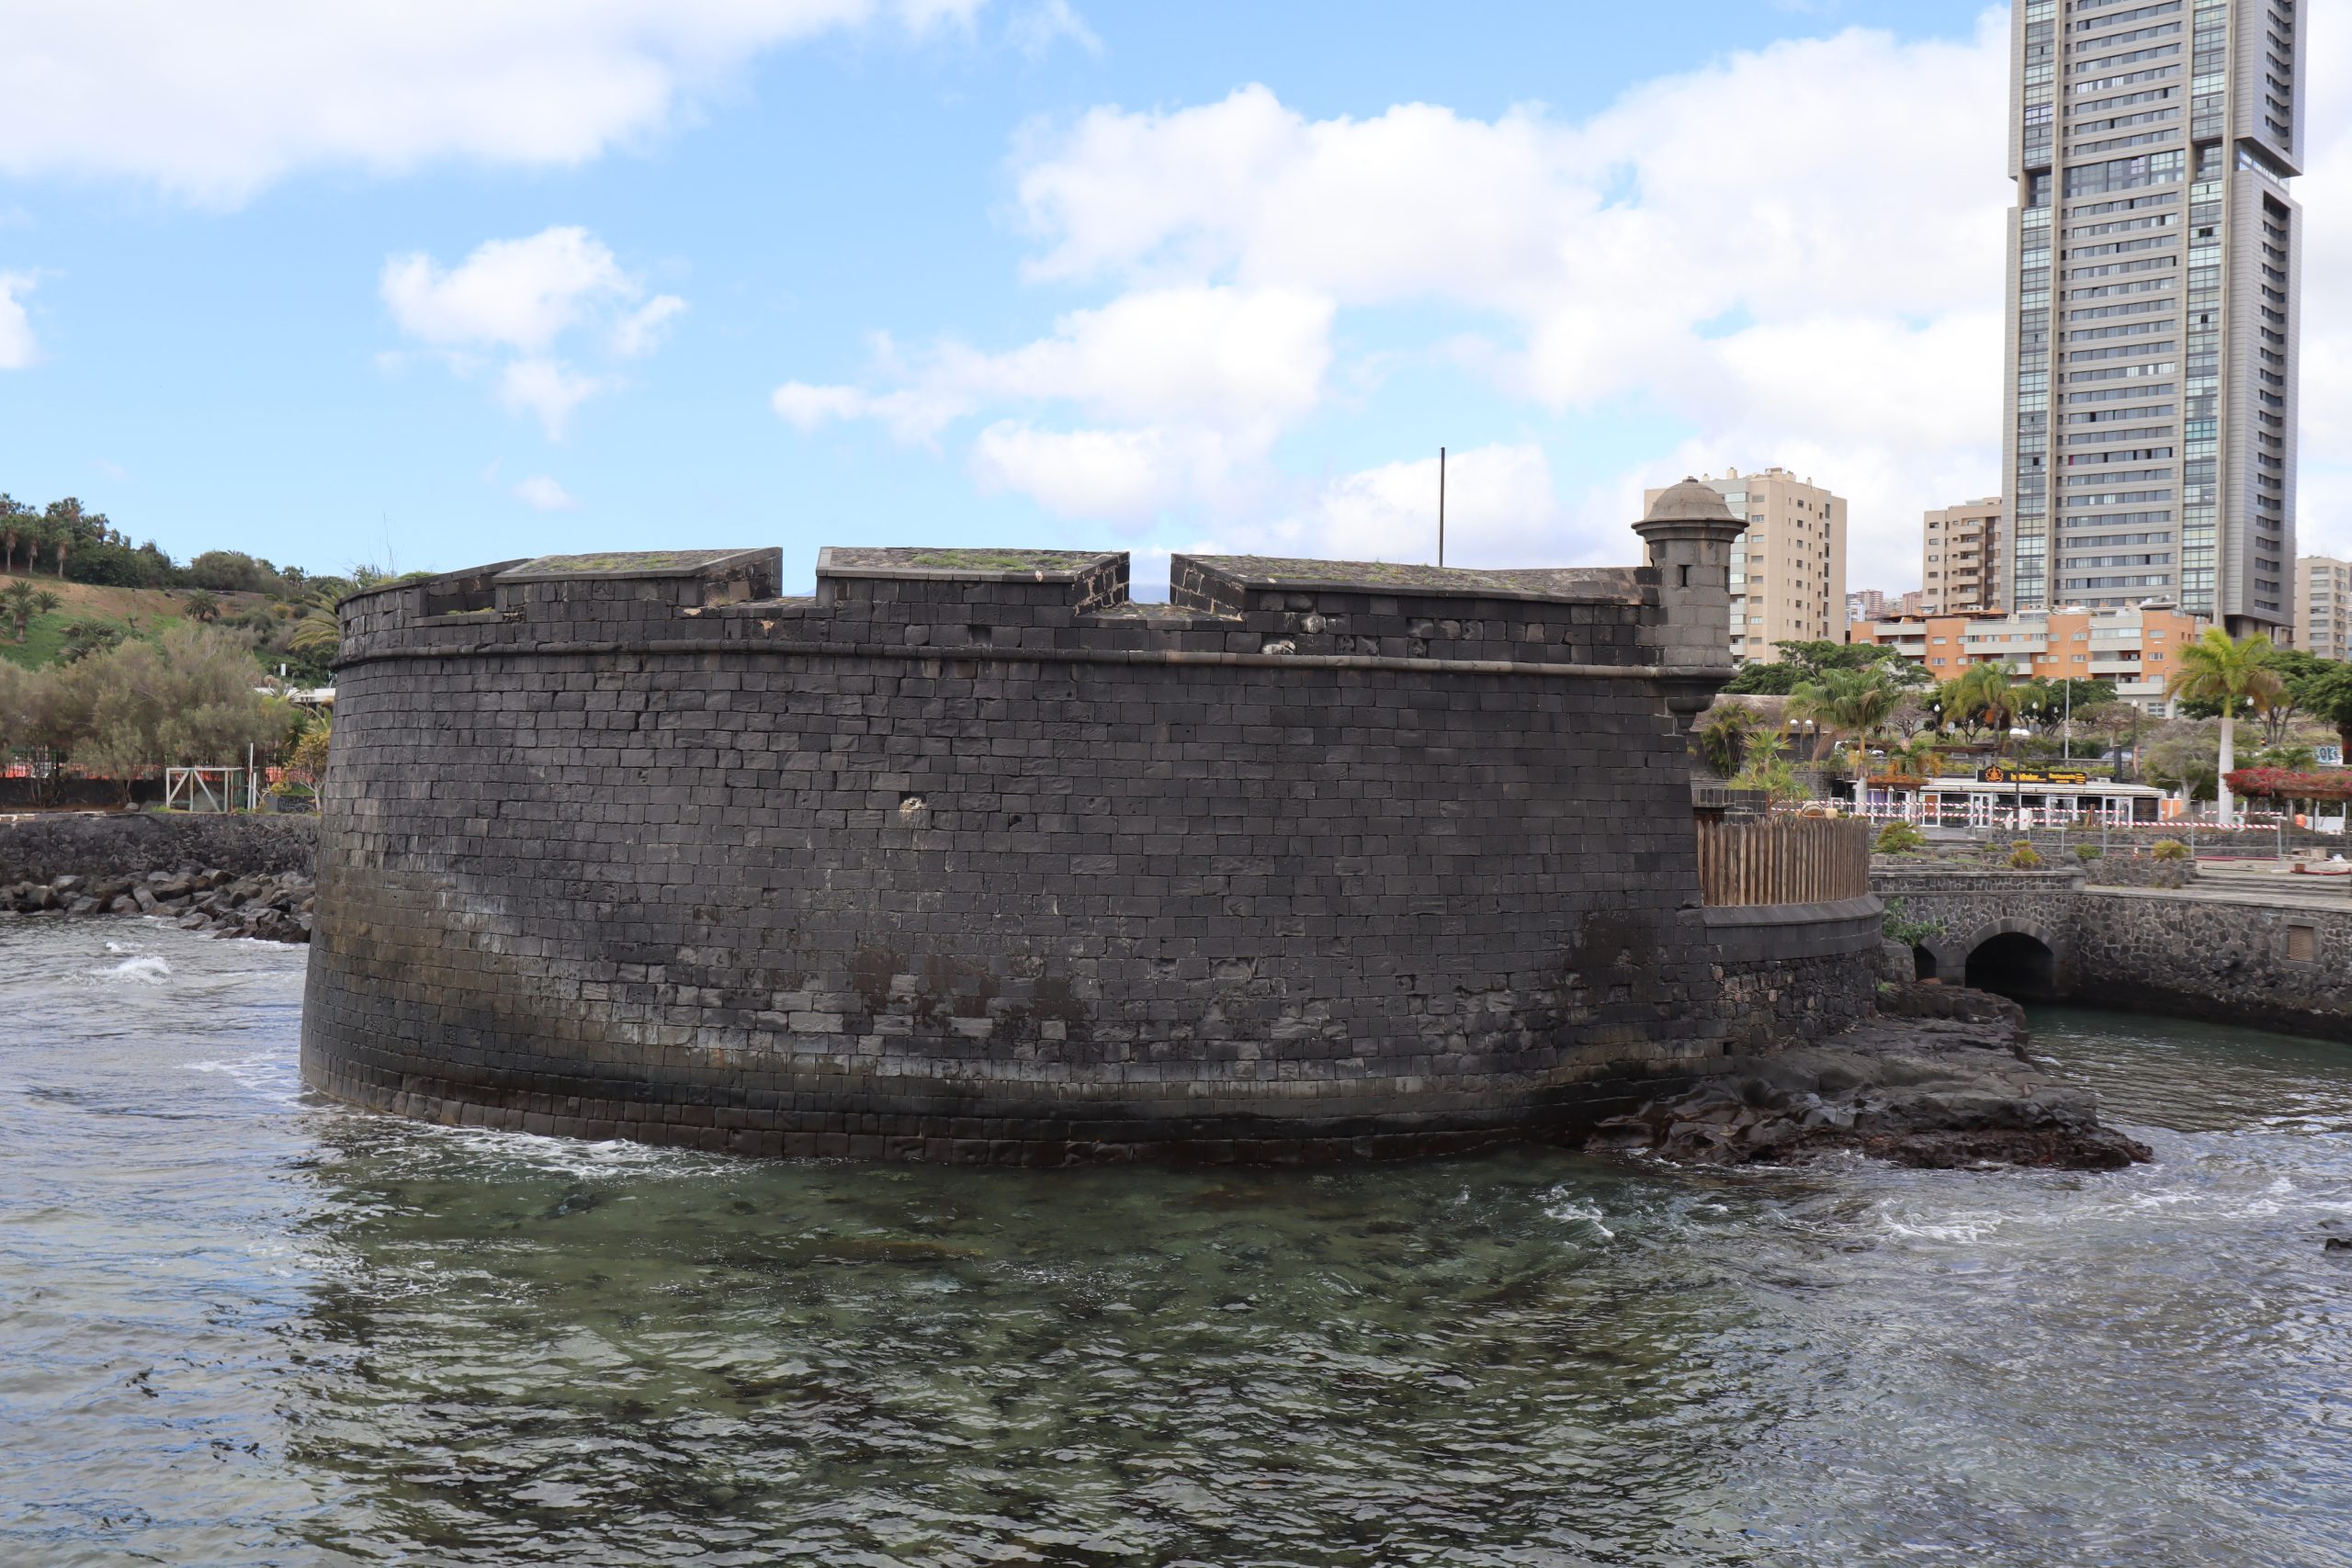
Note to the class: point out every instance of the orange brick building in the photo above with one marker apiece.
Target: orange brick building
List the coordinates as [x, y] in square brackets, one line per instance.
[2136, 650]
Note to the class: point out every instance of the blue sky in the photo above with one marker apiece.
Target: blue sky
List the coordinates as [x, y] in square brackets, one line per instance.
[802, 272]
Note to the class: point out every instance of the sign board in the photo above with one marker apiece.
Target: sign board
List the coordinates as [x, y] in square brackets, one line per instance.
[2004, 775]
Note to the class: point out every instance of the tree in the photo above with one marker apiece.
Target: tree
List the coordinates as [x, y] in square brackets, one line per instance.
[2112, 728]
[1981, 697]
[1723, 735]
[15, 520]
[188, 698]
[201, 605]
[306, 760]
[23, 602]
[1802, 662]
[2233, 672]
[318, 631]
[2185, 755]
[83, 639]
[1916, 757]
[231, 571]
[65, 525]
[1768, 770]
[1852, 702]
[2325, 691]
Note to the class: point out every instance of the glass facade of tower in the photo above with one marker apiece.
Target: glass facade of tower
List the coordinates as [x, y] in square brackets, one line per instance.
[2152, 306]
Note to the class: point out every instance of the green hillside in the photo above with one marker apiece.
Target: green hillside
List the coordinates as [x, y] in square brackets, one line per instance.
[136, 612]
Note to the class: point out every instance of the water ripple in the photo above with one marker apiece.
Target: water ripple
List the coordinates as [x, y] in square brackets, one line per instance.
[241, 1326]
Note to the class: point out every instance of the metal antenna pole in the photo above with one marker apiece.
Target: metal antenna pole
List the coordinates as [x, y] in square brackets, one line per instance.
[1440, 506]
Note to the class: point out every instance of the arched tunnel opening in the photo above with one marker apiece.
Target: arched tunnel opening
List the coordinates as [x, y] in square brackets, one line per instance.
[1923, 964]
[2015, 965]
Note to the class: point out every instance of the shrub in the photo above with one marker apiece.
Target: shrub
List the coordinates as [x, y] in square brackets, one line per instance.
[2086, 852]
[1899, 839]
[1898, 925]
[2169, 849]
[2023, 858]
[2285, 784]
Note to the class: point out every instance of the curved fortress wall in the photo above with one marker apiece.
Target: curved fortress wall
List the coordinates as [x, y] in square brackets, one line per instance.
[968, 857]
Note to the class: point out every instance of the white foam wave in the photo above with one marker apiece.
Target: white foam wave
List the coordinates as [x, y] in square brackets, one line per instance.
[1963, 1226]
[273, 1077]
[577, 1157]
[150, 970]
[1582, 1213]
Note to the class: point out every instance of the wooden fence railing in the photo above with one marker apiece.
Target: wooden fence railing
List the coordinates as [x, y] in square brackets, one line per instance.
[1784, 860]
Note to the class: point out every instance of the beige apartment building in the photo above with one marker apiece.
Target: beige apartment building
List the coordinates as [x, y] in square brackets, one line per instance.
[1961, 559]
[1788, 571]
[2324, 606]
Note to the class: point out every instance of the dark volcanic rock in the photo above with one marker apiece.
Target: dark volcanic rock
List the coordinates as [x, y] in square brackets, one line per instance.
[274, 907]
[1940, 1079]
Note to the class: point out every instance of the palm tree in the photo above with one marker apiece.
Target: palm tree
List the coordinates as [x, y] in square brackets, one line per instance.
[1853, 702]
[1724, 735]
[1983, 694]
[201, 605]
[24, 602]
[1918, 756]
[2218, 668]
[318, 629]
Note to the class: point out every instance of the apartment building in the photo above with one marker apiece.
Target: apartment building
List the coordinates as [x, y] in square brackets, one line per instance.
[2153, 306]
[2135, 647]
[2324, 606]
[1960, 557]
[1788, 571]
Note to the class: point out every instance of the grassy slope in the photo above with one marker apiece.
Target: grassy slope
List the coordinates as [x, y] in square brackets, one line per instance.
[145, 612]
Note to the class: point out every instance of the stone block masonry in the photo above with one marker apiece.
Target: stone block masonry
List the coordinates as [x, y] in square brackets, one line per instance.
[41, 848]
[2200, 951]
[968, 857]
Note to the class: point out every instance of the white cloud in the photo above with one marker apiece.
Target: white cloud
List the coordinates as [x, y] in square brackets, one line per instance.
[641, 331]
[510, 293]
[214, 102]
[1177, 389]
[549, 389]
[544, 494]
[18, 348]
[1035, 28]
[1500, 509]
[1719, 246]
[1792, 255]
[521, 297]
[1120, 476]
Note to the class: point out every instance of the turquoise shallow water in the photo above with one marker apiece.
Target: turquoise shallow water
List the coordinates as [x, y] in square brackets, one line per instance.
[241, 1327]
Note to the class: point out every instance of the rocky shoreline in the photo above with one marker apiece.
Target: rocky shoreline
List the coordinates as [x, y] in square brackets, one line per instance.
[1940, 1079]
[268, 907]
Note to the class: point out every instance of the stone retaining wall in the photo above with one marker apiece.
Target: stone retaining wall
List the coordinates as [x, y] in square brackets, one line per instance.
[2140, 871]
[45, 847]
[2228, 961]
[1794, 972]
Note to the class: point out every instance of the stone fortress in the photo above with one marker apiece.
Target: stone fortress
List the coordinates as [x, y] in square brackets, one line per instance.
[968, 856]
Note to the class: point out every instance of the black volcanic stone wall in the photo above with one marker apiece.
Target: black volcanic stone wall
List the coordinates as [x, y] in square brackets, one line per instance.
[41, 848]
[1005, 869]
